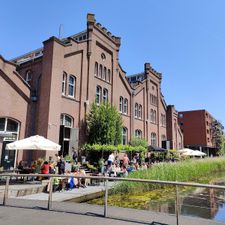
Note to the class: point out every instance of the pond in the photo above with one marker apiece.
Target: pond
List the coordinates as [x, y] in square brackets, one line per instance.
[197, 202]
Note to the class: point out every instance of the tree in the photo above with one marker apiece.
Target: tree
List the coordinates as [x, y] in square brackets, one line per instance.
[218, 136]
[104, 125]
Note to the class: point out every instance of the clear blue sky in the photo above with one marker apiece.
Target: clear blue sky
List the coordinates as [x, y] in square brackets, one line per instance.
[184, 40]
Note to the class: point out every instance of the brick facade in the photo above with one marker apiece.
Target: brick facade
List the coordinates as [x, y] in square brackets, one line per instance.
[56, 84]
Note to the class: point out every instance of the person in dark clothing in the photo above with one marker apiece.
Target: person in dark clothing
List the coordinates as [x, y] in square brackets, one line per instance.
[61, 166]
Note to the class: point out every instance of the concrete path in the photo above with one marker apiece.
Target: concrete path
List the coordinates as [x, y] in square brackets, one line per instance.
[33, 212]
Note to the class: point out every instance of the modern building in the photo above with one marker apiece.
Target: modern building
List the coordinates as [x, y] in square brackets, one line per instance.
[49, 92]
[198, 127]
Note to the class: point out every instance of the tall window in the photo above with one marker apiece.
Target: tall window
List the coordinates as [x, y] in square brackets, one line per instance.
[124, 136]
[121, 104]
[96, 69]
[163, 137]
[152, 115]
[28, 77]
[136, 110]
[105, 95]
[138, 133]
[140, 111]
[71, 88]
[153, 139]
[104, 73]
[64, 83]
[100, 71]
[66, 120]
[125, 109]
[109, 75]
[98, 95]
[163, 120]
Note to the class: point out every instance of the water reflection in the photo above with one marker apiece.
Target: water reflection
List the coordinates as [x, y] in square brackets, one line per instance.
[204, 203]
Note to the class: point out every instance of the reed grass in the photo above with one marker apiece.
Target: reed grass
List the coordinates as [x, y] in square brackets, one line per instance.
[186, 171]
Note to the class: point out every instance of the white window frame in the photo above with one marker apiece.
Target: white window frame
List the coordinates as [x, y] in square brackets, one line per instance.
[136, 110]
[63, 120]
[64, 80]
[105, 95]
[153, 139]
[125, 106]
[124, 136]
[71, 85]
[98, 94]
[121, 104]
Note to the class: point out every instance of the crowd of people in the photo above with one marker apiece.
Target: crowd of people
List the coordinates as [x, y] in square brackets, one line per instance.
[115, 166]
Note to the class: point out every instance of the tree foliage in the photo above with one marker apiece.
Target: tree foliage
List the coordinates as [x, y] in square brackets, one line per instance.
[136, 141]
[104, 125]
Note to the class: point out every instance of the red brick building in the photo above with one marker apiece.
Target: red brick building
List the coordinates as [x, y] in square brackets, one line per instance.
[49, 92]
[197, 129]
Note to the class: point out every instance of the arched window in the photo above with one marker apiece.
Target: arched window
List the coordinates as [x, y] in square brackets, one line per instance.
[71, 88]
[121, 104]
[66, 120]
[100, 71]
[64, 83]
[28, 77]
[105, 95]
[138, 133]
[96, 69]
[98, 95]
[104, 73]
[153, 139]
[140, 111]
[125, 106]
[9, 125]
[136, 110]
[124, 136]
[109, 76]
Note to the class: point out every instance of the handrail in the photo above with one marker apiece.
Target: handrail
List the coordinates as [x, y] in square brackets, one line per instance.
[106, 179]
[121, 179]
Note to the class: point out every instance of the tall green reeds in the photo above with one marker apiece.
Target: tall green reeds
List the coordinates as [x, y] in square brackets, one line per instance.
[186, 171]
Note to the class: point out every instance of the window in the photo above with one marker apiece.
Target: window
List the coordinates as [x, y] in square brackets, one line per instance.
[104, 73]
[100, 71]
[181, 115]
[28, 77]
[98, 94]
[96, 69]
[124, 136]
[105, 95]
[152, 115]
[163, 120]
[121, 104]
[71, 88]
[9, 125]
[64, 83]
[109, 75]
[140, 111]
[66, 120]
[153, 139]
[136, 110]
[138, 133]
[125, 109]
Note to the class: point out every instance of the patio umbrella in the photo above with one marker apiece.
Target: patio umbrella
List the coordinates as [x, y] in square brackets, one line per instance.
[34, 143]
[185, 150]
[194, 153]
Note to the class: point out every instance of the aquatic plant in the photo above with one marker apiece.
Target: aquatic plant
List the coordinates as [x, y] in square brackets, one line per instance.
[187, 171]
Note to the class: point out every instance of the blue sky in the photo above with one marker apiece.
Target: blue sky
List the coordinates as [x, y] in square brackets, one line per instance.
[184, 40]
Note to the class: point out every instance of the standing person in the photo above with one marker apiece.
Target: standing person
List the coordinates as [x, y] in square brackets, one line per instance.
[61, 166]
[111, 160]
[75, 156]
[125, 160]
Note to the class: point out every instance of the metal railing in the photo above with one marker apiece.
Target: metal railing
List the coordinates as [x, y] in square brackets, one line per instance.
[106, 179]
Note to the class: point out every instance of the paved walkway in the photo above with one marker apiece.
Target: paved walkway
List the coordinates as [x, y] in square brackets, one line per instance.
[21, 212]
[32, 209]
